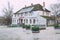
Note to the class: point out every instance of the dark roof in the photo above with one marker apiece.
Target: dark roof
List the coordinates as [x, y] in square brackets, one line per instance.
[35, 8]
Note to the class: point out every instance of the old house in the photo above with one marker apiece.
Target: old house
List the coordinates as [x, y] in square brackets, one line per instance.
[31, 15]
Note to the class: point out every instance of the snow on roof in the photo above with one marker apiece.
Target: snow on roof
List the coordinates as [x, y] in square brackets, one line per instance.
[26, 9]
[32, 8]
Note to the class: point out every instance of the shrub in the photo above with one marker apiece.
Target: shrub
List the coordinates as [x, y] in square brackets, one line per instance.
[28, 27]
[24, 26]
[35, 28]
[56, 25]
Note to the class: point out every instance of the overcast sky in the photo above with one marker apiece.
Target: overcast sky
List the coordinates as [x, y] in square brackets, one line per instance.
[18, 4]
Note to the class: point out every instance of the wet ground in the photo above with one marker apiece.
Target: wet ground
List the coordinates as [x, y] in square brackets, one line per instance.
[22, 34]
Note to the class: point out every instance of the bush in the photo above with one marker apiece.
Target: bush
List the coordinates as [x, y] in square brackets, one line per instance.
[56, 25]
[35, 28]
[24, 26]
[14, 25]
[28, 27]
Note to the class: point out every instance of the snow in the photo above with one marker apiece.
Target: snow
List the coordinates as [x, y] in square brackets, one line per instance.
[19, 33]
[26, 9]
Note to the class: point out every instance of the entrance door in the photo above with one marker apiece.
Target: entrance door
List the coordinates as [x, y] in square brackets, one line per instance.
[21, 21]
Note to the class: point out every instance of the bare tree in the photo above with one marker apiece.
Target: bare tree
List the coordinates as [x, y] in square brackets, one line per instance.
[8, 13]
[55, 10]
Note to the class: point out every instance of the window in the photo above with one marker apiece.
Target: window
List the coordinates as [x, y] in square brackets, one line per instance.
[21, 14]
[17, 20]
[13, 21]
[30, 20]
[33, 20]
[25, 13]
[21, 20]
[26, 20]
[15, 15]
[30, 11]
[18, 15]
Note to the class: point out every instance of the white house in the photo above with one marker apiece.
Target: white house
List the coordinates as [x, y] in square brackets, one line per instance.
[31, 15]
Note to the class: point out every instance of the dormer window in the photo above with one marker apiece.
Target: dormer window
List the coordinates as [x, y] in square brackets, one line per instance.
[30, 13]
[26, 13]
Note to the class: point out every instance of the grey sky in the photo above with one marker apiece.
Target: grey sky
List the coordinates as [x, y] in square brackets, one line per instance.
[18, 4]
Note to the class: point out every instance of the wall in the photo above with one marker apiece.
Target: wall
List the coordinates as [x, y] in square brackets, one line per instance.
[30, 15]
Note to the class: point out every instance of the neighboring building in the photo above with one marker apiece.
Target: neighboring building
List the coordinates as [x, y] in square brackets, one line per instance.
[31, 15]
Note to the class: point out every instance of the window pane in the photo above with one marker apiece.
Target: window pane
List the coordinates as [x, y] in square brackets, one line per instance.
[33, 20]
[26, 20]
[30, 20]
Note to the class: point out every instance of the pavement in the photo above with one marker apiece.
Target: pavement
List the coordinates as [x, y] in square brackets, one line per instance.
[19, 33]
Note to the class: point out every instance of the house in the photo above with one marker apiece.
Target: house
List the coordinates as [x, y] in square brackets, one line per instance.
[31, 15]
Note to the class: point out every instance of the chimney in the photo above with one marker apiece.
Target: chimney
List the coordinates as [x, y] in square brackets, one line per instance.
[43, 8]
[31, 4]
[43, 4]
[25, 5]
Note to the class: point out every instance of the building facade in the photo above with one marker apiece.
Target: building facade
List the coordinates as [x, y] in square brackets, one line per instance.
[31, 15]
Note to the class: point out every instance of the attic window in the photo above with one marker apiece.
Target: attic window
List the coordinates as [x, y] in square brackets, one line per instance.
[25, 12]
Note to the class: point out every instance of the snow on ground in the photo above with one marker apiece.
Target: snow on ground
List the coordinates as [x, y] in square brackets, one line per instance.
[19, 33]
